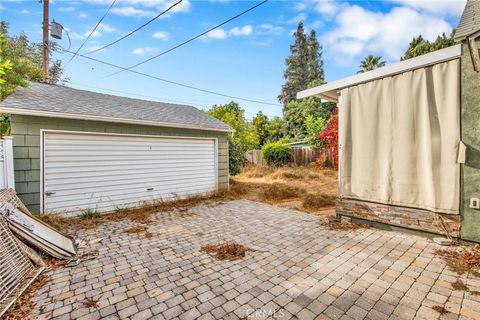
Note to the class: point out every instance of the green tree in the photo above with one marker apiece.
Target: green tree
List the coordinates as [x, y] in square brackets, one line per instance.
[260, 123]
[303, 65]
[275, 129]
[244, 138]
[419, 45]
[371, 62]
[297, 111]
[314, 127]
[26, 62]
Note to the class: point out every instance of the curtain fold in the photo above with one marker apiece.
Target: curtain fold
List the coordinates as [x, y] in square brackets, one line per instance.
[399, 137]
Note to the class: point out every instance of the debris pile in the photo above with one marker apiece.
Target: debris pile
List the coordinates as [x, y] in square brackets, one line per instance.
[461, 261]
[226, 251]
[333, 224]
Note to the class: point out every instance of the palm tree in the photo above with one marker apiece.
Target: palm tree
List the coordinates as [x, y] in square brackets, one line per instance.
[371, 62]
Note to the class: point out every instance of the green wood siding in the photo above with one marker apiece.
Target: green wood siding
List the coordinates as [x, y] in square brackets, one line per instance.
[470, 84]
[26, 148]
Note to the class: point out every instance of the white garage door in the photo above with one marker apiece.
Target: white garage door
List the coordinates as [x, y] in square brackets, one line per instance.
[103, 172]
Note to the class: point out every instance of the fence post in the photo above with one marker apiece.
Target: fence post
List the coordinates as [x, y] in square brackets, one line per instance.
[8, 162]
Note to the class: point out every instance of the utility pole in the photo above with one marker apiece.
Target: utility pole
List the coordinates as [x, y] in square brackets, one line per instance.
[46, 45]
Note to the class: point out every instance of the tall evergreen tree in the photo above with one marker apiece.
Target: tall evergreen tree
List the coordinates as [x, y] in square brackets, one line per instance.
[314, 60]
[304, 65]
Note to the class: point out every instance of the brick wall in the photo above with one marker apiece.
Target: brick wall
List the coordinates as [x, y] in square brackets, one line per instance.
[26, 148]
[411, 218]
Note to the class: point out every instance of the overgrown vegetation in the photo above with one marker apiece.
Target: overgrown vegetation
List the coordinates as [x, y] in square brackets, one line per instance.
[277, 154]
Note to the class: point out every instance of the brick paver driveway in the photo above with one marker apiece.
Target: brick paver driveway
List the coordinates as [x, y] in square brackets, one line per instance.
[301, 270]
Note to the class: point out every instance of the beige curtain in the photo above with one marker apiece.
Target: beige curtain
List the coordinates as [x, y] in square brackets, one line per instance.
[399, 137]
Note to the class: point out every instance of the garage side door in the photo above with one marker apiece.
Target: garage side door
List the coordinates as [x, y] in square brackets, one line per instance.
[104, 172]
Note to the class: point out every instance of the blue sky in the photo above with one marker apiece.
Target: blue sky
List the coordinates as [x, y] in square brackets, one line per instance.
[244, 58]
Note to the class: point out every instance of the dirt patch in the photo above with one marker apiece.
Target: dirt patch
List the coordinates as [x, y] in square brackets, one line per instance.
[440, 309]
[226, 251]
[461, 261]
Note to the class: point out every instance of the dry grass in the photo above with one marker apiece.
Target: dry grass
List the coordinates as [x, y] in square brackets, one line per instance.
[226, 251]
[317, 201]
[279, 191]
[312, 190]
[465, 260]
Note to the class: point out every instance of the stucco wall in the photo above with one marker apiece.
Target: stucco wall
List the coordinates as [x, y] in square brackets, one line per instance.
[26, 148]
[471, 137]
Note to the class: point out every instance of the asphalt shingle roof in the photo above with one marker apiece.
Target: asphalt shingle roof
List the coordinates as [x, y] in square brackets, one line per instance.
[470, 20]
[65, 100]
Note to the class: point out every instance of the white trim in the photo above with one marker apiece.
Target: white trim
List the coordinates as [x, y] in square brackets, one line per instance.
[52, 114]
[329, 91]
[42, 154]
[42, 187]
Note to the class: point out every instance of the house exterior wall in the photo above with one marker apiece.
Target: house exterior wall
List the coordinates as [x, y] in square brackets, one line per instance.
[26, 148]
[470, 181]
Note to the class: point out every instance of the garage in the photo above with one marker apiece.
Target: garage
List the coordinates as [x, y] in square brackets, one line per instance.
[102, 172]
[77, 151]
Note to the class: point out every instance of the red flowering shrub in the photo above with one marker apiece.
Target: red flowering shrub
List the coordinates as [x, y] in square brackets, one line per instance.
[329, 137]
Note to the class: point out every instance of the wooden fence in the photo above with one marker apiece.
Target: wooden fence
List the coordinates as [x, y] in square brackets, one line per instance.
[300, 157]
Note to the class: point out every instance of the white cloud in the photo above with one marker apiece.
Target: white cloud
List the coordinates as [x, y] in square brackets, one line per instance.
[143, 51]
[66, 9]
[132, 12]
[24, 11]
[102, 28]
[267, 28]
[218, 34]
[83, 15]
[325, 7]
[221, 34]
[439, 7]
[242, 31]
[161, 35]
[145, 8]
[359, 32]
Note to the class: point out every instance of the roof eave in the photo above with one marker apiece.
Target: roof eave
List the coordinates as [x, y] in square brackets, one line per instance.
[329, 91]
[50, 114]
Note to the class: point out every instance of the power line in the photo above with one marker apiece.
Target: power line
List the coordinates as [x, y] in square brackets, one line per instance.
[172, 82]
[140, 27]
[91, 32]
[192, 39]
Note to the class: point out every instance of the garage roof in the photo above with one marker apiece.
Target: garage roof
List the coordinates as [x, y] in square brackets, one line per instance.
[470, 21]
[330, 90]
[63, 102]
